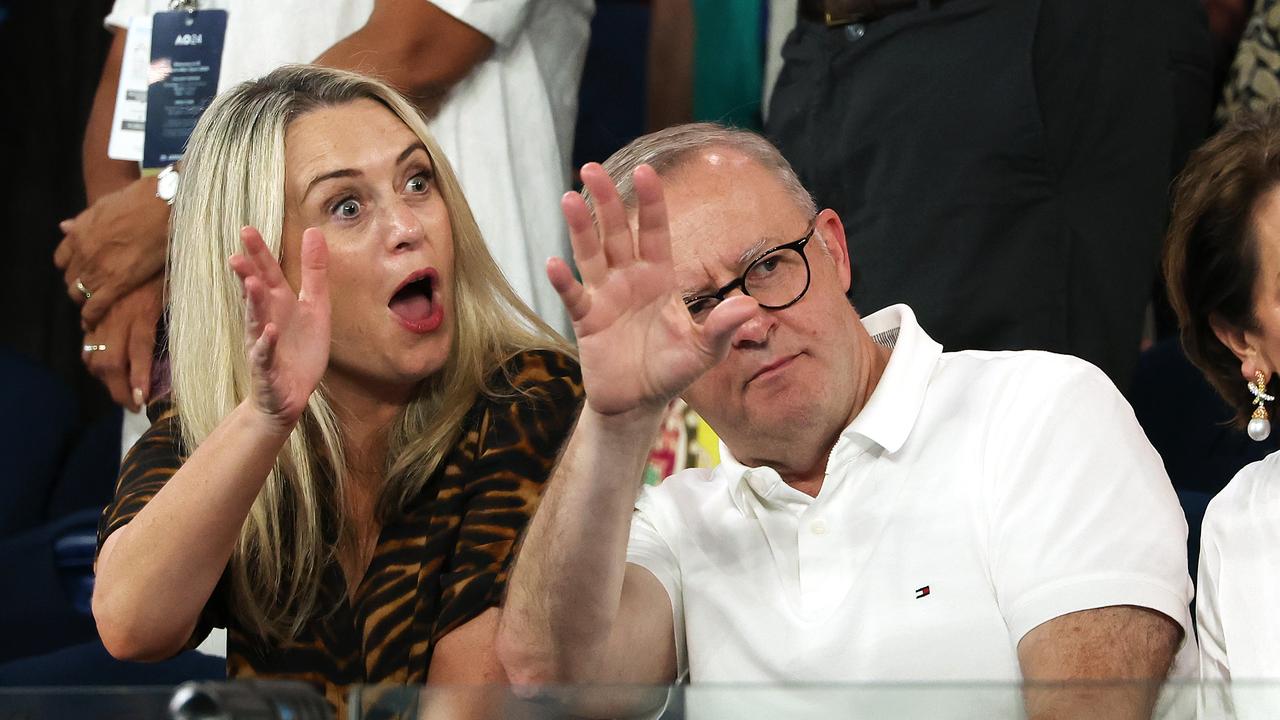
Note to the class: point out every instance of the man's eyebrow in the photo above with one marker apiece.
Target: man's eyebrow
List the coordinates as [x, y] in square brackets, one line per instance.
[747, 256]
[755, 249]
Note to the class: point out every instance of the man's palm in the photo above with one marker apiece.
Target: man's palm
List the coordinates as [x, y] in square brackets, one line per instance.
[638, 344]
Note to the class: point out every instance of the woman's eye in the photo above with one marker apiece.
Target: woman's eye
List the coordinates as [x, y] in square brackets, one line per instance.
[347, 208]
[417, 184]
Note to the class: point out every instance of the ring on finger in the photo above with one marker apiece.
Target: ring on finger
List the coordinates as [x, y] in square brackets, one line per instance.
[83, 290]
[94, 347]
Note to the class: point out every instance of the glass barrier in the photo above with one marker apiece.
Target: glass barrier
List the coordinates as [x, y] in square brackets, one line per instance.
[922, 701]
[73, 703]
[985, 701]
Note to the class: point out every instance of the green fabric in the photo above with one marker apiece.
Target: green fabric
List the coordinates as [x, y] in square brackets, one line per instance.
[728, 61]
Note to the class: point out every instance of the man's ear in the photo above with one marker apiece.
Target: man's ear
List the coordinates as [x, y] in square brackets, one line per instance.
[1244, 344]
[830, 230]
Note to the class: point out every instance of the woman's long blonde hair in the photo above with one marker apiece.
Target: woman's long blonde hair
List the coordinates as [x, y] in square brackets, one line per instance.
[234, 175]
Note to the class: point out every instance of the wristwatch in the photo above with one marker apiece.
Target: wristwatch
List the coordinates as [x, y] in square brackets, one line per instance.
[167, 184]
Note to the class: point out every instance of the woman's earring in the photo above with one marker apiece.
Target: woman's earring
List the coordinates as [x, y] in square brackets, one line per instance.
[1259, 424]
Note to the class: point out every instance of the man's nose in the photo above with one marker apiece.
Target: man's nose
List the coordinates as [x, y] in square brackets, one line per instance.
[755, 331]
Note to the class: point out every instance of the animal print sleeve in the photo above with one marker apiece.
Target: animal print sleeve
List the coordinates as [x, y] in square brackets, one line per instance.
[520, 438]
[145, 469]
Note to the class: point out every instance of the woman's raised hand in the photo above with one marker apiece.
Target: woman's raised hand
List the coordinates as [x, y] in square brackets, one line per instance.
[286, 333]
[638, 344]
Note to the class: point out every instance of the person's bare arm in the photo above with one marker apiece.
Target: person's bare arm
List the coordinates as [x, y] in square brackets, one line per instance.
[466, 681]
[466, 655]
[103, 175]
[575, 611]
[118, 242]
[155, 574]
[1102, 664]
[464, 677]
[413, 45]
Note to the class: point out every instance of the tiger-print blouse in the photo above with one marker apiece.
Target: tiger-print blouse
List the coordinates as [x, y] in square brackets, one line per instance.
[441, 564]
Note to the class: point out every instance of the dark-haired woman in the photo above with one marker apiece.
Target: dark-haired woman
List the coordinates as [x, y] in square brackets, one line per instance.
[1222, 265]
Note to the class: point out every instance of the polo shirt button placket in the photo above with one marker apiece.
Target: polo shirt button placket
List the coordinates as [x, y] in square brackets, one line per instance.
[817, 575]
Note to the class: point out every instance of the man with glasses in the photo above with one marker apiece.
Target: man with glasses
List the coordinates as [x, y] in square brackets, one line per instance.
[883, 511]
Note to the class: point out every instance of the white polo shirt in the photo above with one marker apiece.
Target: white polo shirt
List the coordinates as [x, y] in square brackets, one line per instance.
[976, 496]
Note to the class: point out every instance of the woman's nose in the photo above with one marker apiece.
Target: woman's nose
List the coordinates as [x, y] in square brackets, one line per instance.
[406, 228]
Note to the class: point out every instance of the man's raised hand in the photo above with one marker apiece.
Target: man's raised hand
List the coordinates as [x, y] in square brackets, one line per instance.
[639, 346]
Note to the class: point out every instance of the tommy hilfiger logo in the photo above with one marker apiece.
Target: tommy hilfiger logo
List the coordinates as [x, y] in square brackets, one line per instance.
[922, 592]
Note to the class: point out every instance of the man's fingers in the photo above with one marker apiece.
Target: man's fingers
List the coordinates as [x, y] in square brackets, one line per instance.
[315, 267]
[611, 218]
[74, 293]
[117, 382]
[654, 244]
[587, 251]
[725, 318]
[142, 342]
[69, 278]
[575, 298]
[95, 308]
[62, 254]
[110, 366]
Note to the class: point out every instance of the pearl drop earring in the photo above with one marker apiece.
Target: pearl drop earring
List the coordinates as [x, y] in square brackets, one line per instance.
[1259, 424]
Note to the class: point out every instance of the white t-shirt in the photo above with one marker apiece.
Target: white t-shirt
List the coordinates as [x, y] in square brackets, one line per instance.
[976, 496]
[507, 129]
[1238, 603]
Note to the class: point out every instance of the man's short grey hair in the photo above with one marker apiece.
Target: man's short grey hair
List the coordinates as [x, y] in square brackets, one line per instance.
[666, 150]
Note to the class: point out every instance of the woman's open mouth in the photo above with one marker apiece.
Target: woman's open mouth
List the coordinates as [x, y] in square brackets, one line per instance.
[416, 304]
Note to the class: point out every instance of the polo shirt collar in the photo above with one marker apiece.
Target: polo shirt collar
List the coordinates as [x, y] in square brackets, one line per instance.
[894, 405]
[887, 418]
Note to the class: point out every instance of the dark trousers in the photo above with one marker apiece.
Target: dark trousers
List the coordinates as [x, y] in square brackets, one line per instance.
[1001, 165]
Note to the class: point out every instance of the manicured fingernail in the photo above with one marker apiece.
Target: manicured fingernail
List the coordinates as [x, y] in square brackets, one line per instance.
[137, 396]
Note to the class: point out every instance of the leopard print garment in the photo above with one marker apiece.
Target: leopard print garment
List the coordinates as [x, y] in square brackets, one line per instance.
[1253, 82]
[441, 564]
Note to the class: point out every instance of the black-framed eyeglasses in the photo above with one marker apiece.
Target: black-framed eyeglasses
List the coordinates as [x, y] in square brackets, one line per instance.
[777, 279]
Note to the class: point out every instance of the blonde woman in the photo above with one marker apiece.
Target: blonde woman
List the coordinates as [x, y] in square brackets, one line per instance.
[363, 413]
